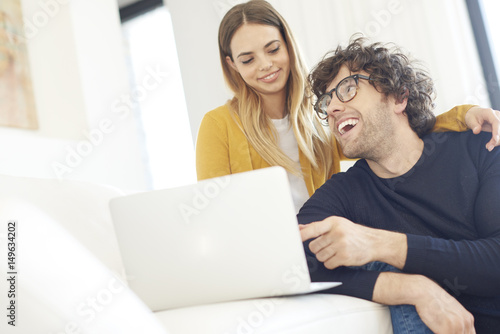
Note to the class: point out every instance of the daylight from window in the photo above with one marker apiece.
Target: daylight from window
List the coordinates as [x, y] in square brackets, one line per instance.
[491, 8]
[167, 135]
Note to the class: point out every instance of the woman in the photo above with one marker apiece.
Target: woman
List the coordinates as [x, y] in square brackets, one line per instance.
[270, 121]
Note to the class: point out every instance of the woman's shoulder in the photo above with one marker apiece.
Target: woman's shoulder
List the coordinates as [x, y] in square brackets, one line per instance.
[221, 112]
[222, 115]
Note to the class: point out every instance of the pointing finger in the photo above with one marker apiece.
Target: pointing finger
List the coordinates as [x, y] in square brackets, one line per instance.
[314, 230]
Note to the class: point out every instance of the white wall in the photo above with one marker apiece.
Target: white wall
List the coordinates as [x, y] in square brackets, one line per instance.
[80, 80]
[436, 32]
[195, 34]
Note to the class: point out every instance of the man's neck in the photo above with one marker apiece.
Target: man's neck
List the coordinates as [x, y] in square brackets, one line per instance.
[403, 151]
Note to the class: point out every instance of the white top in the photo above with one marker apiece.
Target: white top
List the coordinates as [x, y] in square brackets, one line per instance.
[288, 144]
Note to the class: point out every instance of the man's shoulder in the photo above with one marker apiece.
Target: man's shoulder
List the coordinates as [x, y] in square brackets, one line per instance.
[356, 174]
[459, 142]
[337, 195]
[451, 137]
[458, 152]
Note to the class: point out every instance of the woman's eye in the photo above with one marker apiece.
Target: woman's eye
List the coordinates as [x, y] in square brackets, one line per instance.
[247, 61]
[275, 50]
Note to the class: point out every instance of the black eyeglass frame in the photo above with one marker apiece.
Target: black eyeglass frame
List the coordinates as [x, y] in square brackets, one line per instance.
[323, 115]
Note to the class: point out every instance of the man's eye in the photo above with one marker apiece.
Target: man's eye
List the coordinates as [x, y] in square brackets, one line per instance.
[349, 91]
[350, 88]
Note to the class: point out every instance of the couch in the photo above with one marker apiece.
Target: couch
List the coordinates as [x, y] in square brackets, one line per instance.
[69, 278]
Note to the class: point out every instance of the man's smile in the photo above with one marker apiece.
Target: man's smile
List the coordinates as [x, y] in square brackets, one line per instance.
[346, 125]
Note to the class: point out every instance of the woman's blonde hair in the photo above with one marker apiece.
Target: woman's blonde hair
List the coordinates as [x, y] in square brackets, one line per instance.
[314, 142]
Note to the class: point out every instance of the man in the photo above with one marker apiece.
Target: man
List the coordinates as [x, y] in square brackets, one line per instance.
[417, 220]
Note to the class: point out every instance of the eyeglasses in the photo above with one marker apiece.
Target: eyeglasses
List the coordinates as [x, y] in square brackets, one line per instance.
[345, 90]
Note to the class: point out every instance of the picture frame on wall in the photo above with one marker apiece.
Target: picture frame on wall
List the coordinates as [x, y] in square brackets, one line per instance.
[17, 101]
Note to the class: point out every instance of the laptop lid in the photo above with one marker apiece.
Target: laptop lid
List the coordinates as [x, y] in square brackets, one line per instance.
[227, 238]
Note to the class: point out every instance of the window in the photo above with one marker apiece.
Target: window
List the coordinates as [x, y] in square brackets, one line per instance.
[491, 8]
[486, 32]
[167, 139]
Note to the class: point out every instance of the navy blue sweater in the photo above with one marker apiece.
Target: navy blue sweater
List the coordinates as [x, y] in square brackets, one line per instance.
[448, 205]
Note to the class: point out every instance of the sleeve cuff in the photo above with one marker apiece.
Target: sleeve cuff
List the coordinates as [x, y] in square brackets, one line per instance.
[417, 254]
[356, 282]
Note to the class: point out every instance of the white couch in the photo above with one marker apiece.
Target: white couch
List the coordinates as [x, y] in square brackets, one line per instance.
[70, 277]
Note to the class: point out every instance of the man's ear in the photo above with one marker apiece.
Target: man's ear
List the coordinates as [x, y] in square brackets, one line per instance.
[402, 100]
[231, 63]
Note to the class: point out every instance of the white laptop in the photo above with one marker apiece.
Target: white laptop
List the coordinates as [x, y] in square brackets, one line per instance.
[227, 238]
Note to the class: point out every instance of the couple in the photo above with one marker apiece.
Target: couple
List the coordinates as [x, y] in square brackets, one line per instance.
[412, 224]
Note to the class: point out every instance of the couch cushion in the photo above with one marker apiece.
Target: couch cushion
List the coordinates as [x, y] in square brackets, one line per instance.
[81, 208]
[315, 313]
[69, 272]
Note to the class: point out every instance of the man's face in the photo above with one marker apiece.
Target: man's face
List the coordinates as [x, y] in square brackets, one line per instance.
[364, 125]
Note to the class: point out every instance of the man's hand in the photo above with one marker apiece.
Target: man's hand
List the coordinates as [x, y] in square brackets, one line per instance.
[340, 242]
[438, 310]
[485, 119]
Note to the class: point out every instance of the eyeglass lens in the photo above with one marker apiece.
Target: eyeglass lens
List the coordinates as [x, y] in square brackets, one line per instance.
[345, 91]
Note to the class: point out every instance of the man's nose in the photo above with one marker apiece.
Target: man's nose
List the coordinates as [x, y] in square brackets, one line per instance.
[335, 107]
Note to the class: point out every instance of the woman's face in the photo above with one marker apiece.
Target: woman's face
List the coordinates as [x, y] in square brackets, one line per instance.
[261, 57]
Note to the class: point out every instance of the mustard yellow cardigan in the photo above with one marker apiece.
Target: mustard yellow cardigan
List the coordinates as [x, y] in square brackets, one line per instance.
[222, 148]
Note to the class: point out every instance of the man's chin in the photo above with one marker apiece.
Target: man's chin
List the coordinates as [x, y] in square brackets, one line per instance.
[350, 156]
[352, 151]
[349, 152]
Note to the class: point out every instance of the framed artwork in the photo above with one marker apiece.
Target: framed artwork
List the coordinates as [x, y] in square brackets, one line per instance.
[17, 102]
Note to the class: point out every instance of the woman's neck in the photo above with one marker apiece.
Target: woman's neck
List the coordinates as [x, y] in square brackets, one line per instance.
[274, 106]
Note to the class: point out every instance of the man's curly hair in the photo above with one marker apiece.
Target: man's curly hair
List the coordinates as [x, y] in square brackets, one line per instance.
[392, 73]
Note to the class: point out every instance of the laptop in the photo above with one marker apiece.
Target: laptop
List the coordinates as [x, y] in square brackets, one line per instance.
[228, 238]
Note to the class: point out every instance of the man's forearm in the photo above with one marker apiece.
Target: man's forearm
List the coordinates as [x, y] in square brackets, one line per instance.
[391, 248]
[398, 289]
[438, 310]
[465, 266]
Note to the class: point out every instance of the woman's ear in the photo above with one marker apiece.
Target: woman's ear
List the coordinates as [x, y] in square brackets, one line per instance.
[231, 63]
